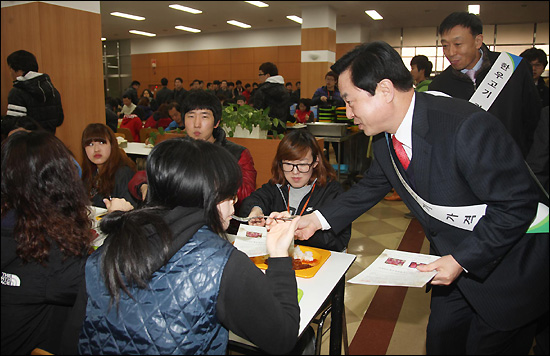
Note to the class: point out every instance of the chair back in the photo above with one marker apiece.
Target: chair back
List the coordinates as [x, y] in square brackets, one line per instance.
[126, 132]
[168, 136]
[144, 133]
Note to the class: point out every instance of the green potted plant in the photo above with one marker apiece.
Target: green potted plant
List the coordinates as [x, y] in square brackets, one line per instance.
[162, 135]
[237, 120]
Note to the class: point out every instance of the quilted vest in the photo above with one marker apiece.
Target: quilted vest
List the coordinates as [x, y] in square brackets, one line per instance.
[176, 315]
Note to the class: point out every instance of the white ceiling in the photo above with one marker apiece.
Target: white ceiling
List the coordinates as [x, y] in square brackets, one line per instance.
[160, 19]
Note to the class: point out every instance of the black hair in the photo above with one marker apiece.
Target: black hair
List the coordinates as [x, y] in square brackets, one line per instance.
[164, 81]
[298, 82]
[240, 97]
[135, 82]
[202, 99]
[181, 172]
[230, 84]
[127, 96]
[532, 54]
[238, 82]
[174, 104]
[306, 102]
[216, 82]
[332, 74]
[288, 83]
[178, 78]
[369, 63]
[464, 19]
[422, 62]
[247, 85]
[22, 60]
[269, 68]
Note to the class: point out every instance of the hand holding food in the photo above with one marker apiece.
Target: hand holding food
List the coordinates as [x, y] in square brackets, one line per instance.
[256, 211]
[115, 204]
[280, 236]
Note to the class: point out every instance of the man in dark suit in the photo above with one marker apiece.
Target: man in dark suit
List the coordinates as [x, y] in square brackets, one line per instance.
[492, 280]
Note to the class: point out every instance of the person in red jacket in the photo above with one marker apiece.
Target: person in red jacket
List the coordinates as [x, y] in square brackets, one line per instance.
[202, 113]
[133, 123]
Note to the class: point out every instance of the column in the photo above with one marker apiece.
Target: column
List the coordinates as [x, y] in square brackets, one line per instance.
[318, 47]
[66, 40]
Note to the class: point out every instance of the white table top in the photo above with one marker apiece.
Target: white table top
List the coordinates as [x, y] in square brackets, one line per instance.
[316, 289]
[137, 148]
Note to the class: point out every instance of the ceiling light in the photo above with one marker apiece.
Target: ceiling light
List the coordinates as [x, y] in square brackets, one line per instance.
[257, 3]
[136, 32]
[473, 9]
[239, 24]
[103, 39]
[188, 29]
[126, 16]
[374, 14]
[295, 18]
[185, 8]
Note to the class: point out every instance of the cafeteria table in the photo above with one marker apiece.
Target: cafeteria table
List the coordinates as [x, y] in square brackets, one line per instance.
[328, 282]
[137, 148]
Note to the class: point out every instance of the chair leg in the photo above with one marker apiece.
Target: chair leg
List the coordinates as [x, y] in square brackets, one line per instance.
[319, 336]
[345, 332]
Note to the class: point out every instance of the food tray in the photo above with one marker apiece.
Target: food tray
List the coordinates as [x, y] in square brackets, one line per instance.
[327, 129]
[318, 254]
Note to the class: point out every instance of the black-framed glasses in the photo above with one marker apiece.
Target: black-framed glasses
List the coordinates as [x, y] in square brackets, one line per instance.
[301, 167]
[261, 74]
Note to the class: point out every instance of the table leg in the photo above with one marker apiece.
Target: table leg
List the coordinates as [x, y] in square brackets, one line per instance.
[336, 318]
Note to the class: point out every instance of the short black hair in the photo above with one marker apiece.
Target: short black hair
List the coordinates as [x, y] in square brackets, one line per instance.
[298, 82]
[422, 62]
[127, 96]
[238, 82]
[306, 102]
[164, 81]
[269, 68]
[372, 62]
[240, 97]
[464, 19]
[216, 82]
[178, 78]
[533, 54]
[202, 99]
[247, 85]
[135, 82]
[22, 60]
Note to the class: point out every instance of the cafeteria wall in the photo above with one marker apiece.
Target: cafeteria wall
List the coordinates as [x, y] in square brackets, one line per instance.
[234, 56]
[66, 41]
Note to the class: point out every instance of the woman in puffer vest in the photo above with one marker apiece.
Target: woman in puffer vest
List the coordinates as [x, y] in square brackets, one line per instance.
[166, 280]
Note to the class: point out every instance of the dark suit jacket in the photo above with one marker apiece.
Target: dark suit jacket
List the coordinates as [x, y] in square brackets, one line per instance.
[463, 155]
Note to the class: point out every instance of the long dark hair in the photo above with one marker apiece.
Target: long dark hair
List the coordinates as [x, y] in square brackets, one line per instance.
[294, 146]
[40, 183]
[181, 172]
[104, 180]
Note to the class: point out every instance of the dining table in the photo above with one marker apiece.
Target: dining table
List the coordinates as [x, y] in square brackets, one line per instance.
[328, 284]
[138, 148]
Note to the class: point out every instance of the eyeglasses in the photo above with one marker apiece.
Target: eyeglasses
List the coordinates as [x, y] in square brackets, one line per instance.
[301, 167]
[261, 74]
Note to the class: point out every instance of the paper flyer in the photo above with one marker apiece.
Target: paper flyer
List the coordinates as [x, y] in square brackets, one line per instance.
[396, 268]
[252, 240]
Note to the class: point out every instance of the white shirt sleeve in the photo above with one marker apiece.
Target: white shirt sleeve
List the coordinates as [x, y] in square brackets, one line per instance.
[324, 223]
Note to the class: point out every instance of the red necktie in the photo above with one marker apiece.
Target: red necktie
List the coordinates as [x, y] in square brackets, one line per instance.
[400, 151]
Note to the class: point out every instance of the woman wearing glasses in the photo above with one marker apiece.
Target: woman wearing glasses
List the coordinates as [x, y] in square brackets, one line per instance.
[302, 181]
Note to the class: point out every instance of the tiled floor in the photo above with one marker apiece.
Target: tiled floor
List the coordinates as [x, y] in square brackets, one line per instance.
[379, 228]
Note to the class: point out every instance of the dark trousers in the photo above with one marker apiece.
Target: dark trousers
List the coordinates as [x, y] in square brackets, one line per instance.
[455, 328]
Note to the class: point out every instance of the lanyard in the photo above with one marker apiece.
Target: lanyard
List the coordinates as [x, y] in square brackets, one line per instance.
[304, 208]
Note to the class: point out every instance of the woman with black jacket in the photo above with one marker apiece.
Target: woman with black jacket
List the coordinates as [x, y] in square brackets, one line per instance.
[302, 181]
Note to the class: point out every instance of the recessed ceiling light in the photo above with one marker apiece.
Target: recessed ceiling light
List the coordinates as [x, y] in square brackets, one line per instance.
[257, 3]
[473, 9]
[238, 24]
[127, 16]
[185, 8]
[136, 32]
[294, 18]
[188, 29]
[103, 39]
[374, 14]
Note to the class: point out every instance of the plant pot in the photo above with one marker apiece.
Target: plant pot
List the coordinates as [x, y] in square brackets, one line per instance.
[244, 133]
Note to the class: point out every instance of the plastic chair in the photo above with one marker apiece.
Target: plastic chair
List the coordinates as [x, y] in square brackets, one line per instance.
[127, 133]
[144, 133]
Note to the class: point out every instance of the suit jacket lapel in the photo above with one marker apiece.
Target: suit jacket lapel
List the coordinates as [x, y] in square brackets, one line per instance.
[422, 149]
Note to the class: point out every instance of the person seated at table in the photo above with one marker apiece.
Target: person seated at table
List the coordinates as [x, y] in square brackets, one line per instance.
[46, 235]
[145, 106]
[160, 118]
[167, 281]
[303, 113]
[302, 181]
[152, 101]
[133, 123]
[202, 113]
[106, 169]
[174, 110]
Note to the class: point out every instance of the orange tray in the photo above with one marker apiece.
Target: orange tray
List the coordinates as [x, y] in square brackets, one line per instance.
[318, 254]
